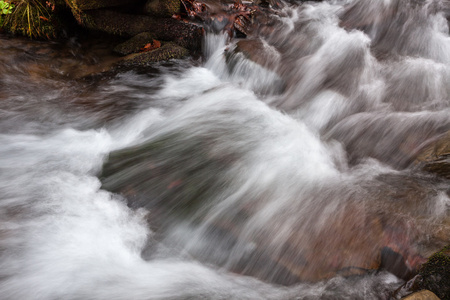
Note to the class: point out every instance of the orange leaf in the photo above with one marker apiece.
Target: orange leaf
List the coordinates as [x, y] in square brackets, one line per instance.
[151, 46]
[156, 44]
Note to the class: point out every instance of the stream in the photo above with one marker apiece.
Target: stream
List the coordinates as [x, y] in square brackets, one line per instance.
[281, 167]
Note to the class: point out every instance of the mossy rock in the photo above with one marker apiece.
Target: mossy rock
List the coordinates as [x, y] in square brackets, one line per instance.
[162, 8]
[435, 274]
[127, 25]
[135, 44]
[166, 52]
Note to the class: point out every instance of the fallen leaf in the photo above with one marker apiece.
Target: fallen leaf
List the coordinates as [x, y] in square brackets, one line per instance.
[151, 46]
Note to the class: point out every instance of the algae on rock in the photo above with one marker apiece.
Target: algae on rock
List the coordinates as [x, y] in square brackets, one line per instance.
[435, 274]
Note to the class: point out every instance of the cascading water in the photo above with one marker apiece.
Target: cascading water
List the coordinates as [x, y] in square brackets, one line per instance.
[282, 173]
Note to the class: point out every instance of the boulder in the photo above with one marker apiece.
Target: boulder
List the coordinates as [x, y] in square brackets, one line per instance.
[166, 52]
[162, 8]
[135, 44]
[435, 156]
[184, 34]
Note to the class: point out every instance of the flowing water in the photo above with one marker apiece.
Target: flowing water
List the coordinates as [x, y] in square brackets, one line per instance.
[288, 176]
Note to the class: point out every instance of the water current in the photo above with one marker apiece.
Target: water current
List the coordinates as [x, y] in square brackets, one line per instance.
[284, 170]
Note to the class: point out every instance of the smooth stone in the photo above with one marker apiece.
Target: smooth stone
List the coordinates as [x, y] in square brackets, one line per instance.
[422, 295]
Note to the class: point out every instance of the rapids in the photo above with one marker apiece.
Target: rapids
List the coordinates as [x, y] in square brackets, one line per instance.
[228, 178]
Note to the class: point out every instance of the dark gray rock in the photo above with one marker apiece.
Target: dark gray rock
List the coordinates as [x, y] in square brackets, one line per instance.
[184, 34]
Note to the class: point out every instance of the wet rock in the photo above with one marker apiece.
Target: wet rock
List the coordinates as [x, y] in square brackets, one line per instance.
[395, 263]
[359, 15]
[134, 44]
[435, 156]
[156, 175]
[376, 224]
[348, 245]
[411, 212]
[422, 295]
[356, 237]
[165, 52]
[234, 17]
[435, 274]
[392, 138]
[354, 240]
[259, 52]
[127, 25]
[162, 8]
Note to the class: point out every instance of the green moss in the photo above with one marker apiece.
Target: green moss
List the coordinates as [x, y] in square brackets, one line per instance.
[6, 9]
[435, 274]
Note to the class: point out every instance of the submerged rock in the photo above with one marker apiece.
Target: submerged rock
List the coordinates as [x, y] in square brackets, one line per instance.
[375, 137]
[259, 52]
[381, 225]
[435, 156]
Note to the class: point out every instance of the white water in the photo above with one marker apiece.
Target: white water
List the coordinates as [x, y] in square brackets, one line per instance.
[294, 156]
